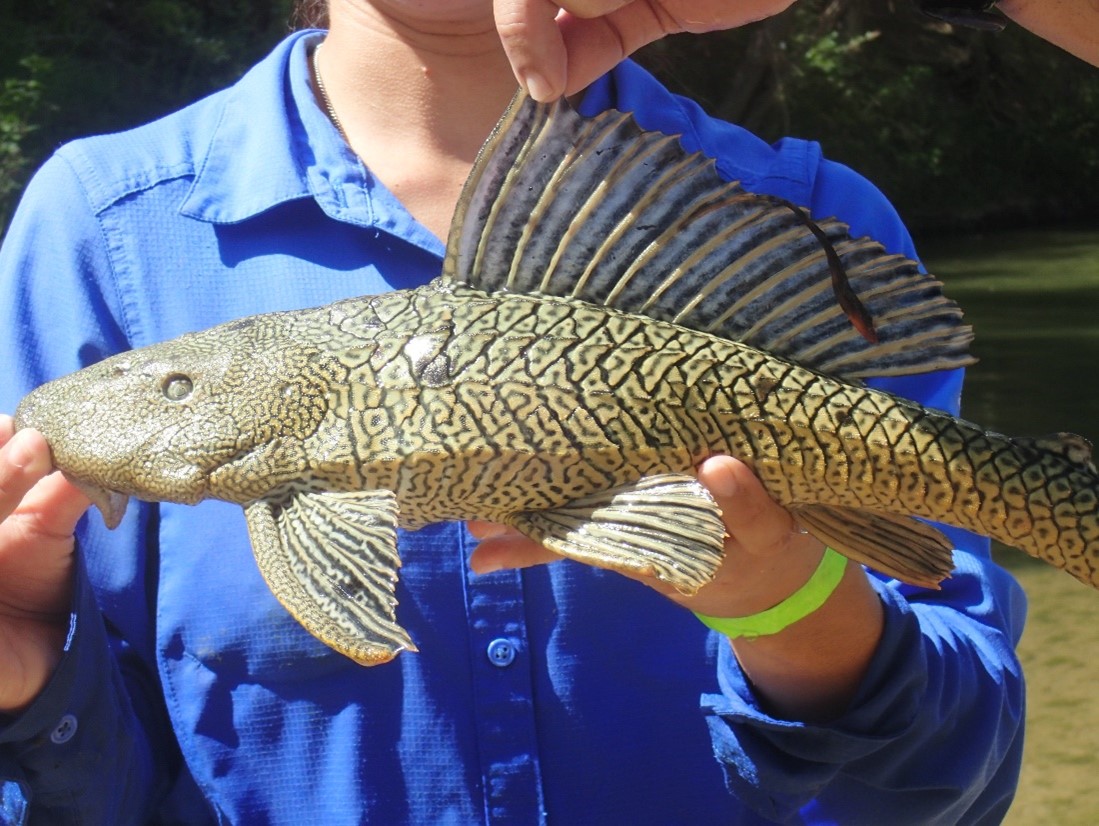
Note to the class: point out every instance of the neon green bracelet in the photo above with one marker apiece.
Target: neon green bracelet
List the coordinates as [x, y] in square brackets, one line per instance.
[803, 602]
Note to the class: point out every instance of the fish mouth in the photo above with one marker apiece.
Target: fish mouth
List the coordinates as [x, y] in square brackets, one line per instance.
[111, 503]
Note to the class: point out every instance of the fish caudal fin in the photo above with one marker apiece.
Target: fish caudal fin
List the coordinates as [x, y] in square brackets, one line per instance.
[667, 526]
[331, 559]
[898, 546]
[599, 210]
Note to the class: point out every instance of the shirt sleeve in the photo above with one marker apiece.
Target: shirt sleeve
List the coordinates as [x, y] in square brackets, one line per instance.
[935, 732]
[101, 716]
[78, 754]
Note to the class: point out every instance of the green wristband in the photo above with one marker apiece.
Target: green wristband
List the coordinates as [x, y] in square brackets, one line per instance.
[803, 602]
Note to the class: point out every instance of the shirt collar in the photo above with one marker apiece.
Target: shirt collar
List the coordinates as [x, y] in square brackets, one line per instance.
[273, 143]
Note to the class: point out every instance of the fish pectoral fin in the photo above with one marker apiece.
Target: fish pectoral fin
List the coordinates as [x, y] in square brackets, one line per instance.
[898, 546]
[331, 560]
[667, 526]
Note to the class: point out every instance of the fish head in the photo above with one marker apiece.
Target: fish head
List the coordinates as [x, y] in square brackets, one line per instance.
[163, 423]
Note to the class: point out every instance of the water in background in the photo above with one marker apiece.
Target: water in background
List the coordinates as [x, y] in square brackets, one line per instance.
[1033, 301]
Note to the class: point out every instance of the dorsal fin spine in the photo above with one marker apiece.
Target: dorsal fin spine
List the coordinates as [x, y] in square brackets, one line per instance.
[537, 135]
[754, 255]
[589, 209]
[615, 235]
[595, 196]
[541, 115]
[699, 205]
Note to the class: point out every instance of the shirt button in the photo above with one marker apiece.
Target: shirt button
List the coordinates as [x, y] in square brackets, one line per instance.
[63, 732]
[501, 652]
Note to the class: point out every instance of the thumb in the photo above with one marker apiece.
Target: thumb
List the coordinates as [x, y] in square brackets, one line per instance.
[45, 502]
[53, 507]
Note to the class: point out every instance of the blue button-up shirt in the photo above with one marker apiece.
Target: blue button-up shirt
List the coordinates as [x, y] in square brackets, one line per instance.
[558, 693]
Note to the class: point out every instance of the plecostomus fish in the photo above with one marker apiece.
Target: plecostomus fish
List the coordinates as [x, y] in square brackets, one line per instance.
[610, 312]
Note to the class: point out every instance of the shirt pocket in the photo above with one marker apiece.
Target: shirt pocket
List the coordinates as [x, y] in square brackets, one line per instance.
[214, 606]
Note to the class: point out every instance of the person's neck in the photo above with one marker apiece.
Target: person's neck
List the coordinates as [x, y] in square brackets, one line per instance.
[415, 99]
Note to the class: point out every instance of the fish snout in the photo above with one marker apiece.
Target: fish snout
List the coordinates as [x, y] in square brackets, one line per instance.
[31, 414]
[107, 448]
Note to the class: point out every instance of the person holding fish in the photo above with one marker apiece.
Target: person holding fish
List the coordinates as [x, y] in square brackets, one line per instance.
[559, 48]
[148, 673]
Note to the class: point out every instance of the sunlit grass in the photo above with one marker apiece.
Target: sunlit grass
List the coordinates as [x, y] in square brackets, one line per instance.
[1033, 300]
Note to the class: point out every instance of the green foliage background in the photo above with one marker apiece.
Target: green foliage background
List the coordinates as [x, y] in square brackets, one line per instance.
[961, 129]
[76, 67]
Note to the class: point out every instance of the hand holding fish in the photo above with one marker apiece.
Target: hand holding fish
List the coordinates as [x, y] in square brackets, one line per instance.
[558, 48]
[767, 558]
[38, 513]
[801, 672]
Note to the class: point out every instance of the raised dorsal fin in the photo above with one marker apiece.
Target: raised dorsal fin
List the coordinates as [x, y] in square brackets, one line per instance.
[599, 210]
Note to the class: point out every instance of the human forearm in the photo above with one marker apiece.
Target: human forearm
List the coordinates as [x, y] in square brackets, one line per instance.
[1071, 24]
[811, 669]
[932, 736]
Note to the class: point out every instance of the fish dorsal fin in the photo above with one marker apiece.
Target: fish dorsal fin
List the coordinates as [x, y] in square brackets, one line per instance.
[1076, 449]
[599, 210]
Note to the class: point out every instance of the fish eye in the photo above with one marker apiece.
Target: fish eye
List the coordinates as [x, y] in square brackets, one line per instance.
[176, 387]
